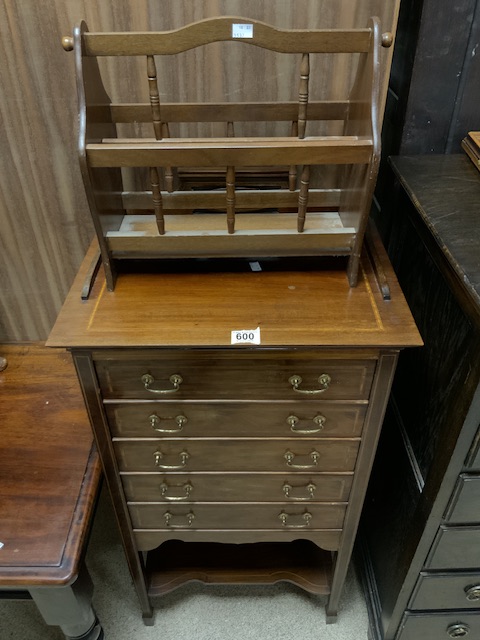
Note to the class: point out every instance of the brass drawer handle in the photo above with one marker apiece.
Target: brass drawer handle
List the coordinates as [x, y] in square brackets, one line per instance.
[318, 420]
[148, 380]
[188, 516]
[290, 457]
[324, 381]
[473, 593]
[184, 456]
[459, 630]
[155, 422]
[310, 487]
[187, 489]
[306, 517]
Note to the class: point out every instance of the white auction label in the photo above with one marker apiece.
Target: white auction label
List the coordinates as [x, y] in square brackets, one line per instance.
[246, 336]
[242, 30]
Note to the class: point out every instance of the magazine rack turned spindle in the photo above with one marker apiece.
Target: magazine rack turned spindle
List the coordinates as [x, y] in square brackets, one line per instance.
[184, 175]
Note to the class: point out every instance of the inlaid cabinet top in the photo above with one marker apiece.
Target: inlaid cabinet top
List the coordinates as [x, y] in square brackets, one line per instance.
[315, 308]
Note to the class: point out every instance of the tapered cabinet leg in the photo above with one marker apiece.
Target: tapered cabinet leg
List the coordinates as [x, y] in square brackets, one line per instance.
[331, 617]
[148, 618]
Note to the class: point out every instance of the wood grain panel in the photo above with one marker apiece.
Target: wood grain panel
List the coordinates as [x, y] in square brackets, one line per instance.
[46, 225]
[314, 308]
[236, 455]
[239, 516]
[49, 472]
[209, 375]
[148, 539]
[256, 487]
[267, 419]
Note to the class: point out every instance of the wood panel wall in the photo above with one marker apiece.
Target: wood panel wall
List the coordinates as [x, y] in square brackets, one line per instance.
[45, 223]
[443, 98]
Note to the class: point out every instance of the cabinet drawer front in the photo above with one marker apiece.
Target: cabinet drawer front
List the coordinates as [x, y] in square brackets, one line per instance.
[215, 419]
[239, 516]
[439, 626]
[447, 591]
[465, 506]
[299, 488]
[236, 455]
[455, 548]
[249, 378]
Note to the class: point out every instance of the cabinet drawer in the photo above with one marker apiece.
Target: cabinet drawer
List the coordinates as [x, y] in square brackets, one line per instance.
[214, 487]
[455, 548]
[239, 516]
[214, 377]
[465, 505]
[447, 591]
[440, 626]
[215, 419]
[236, 455]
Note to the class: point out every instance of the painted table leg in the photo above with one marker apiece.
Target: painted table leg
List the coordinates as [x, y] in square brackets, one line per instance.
[70, 608]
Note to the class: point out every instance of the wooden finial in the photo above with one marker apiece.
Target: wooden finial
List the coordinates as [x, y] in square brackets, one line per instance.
[67, 43]
[387, 39]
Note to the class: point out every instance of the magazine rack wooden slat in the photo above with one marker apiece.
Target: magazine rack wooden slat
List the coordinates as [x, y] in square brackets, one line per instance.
[204, 174]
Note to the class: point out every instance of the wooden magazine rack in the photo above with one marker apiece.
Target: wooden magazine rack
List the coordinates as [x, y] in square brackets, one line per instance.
[254, 193]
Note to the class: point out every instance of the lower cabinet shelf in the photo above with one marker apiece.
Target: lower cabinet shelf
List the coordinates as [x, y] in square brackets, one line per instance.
[301, 562]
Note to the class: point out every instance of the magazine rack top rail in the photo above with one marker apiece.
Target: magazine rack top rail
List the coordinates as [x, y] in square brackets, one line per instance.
[254, 193]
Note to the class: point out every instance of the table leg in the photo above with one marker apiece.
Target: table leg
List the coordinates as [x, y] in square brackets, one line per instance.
[70, 608]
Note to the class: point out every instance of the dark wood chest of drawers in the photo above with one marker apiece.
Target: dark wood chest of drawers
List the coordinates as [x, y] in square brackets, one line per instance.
[207, 442]
[421, 524]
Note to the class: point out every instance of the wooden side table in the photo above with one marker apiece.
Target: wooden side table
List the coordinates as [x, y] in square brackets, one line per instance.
[49, 479]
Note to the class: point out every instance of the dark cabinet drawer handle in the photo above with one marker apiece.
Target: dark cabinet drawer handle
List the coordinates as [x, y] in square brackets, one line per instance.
[459, 630]
[306, 517]
[187, 489]
[324, 382]
[155, 422]
[189, 517]
[290, 457]
[148, 380]
[158, 455]
[318, 421]
[309, 489]
[473, 593]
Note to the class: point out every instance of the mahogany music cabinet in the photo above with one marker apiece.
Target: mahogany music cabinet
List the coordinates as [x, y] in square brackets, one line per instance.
[255, 455]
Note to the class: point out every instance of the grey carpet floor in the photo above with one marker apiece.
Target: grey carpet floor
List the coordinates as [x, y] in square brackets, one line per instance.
[194, 611]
